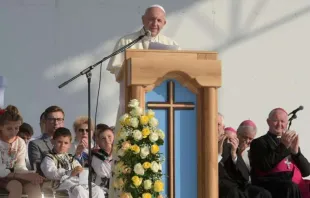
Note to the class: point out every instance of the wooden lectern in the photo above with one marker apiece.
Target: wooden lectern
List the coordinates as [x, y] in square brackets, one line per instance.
[200, 73]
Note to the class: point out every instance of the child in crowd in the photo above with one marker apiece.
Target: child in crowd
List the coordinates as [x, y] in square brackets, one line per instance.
[14, 176]
[26, 132]
[102, 157]
[63, 169]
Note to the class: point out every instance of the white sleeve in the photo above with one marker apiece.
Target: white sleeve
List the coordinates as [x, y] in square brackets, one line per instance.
[235, 160]
[20, 165]
[219, 158]
[50, 170]
[101, 168]
[116, 61]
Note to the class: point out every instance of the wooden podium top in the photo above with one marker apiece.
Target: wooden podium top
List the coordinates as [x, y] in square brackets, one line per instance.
[146, 67]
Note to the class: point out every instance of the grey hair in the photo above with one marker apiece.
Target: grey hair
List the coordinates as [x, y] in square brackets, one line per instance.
[241, 129]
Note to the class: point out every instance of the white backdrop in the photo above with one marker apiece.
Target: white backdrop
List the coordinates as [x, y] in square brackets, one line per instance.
[264, 46]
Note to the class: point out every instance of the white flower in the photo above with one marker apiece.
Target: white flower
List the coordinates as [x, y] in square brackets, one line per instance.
[155, 166]
[123, 118]
[153, 122]
[147, 184]
[161, 134]
[138, 169]
[123, 135]
[136, 111]
[150, 113]
[133, 103]
[137, 135]
[134, 122]
[153, 137]
[121, 152]
[145, 151]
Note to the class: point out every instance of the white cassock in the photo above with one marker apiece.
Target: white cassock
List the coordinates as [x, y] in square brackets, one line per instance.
[115, 65]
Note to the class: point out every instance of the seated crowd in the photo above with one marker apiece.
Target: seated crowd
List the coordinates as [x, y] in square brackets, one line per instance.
[268, 166]
[54, 158]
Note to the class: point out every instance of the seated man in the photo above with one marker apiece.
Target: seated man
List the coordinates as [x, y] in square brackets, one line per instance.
[277, 162]
[53, 119]
[233, 172]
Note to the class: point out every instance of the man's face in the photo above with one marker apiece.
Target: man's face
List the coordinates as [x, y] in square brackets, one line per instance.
[246, 138]
[220, 125]
[278, 122]
[53, 121]
[154, 20]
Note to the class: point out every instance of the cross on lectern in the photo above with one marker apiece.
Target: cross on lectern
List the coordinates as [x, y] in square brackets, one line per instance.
[170, 106]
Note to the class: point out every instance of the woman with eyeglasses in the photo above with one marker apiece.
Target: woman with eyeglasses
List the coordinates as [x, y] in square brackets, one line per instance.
[80, 143]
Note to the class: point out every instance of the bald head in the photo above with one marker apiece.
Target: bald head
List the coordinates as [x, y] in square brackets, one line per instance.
[277, 121]
[154, 19]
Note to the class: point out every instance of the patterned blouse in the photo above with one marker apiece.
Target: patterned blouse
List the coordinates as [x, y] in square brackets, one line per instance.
[12, 157]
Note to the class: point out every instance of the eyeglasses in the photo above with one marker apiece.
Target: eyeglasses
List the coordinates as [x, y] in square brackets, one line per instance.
[55, 119]
[83, 130]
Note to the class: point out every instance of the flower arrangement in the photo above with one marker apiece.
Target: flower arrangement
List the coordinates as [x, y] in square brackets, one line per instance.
[138, 170]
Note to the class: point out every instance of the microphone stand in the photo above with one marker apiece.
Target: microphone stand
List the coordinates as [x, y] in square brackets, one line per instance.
[88, 74]
[293, 117]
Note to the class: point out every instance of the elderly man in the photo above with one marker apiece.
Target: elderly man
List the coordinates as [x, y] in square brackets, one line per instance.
[233, 172]
[154, 19]
[276, 160]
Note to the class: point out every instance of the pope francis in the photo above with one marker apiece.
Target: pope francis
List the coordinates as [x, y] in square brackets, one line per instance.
[153, 20]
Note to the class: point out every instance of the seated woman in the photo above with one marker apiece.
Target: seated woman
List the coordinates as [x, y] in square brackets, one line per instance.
[102, 157]
[14, 176]
[80, 144]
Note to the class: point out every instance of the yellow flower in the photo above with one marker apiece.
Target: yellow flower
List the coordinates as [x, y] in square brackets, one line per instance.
[145, 132]
[136, 181]
[144, 120]
[127, 121]
[126, 195]
[158, 186]
[135, 148]
[146, 165]
[146, 195]
[154, 149]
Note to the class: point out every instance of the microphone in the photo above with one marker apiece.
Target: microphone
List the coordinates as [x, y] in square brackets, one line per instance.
[296, 110]
[148, 33]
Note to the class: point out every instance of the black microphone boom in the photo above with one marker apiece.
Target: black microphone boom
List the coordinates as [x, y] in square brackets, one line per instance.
[296, 110]
[294, 116]
[88, 74]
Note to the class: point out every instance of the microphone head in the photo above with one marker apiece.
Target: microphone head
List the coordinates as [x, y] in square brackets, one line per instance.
[301, 107]
[148, 33]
